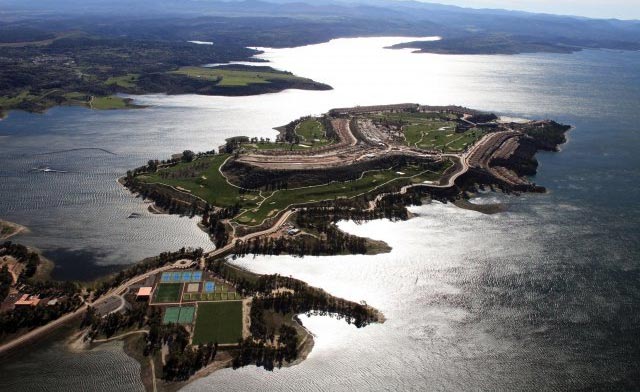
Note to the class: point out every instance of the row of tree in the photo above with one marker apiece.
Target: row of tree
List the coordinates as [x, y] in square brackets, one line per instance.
[333, 241]
[268, 356]
[31, 317]
[213, 219]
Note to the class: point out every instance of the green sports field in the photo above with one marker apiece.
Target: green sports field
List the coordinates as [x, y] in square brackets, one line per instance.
[168, 292]
[218, 322]
[171, 315]
[186, 314]
[183, 315]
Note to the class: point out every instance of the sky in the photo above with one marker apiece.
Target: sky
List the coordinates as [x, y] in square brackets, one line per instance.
[621, 9]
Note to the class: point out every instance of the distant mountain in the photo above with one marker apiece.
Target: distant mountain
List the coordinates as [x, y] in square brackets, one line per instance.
[289, 22]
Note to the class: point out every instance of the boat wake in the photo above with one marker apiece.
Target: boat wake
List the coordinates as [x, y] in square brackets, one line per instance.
[46, 170]
[77, 149]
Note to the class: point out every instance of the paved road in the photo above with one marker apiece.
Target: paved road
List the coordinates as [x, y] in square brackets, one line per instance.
[275, 227]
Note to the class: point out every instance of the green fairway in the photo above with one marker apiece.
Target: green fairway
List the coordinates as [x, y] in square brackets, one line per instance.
[432, 131]
[168, 292]
[235, 78]
[312, 133]
[218, 322]
[203, 178]
[205, 181]
[283, 198]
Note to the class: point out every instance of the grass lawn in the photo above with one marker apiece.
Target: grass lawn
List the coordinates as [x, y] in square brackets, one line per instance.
[218, 322]
[229, 77]
[312, 132]
[168, 292]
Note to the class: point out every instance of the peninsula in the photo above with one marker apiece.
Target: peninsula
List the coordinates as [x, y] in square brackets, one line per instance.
[187, 313]
[351, 163]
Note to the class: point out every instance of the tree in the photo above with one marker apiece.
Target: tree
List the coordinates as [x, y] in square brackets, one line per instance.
[188, 155]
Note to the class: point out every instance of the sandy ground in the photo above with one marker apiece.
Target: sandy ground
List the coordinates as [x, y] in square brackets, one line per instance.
[12, 264]
[246, 317]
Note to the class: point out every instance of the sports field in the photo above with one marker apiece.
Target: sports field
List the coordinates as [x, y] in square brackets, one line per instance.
[217, 296]
[168, 292]
[179, 315]
[218, 322]
[171, 315]
[186, 314]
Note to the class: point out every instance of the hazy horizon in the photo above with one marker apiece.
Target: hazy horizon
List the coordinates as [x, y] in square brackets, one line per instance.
[599, 9]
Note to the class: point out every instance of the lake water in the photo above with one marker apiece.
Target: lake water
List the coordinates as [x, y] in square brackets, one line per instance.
[543, 296]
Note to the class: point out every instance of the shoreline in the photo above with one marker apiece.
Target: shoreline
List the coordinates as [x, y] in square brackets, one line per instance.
[133, 346]
[11, 229]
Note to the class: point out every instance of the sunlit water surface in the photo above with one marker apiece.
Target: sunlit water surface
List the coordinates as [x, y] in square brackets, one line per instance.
[543, 296]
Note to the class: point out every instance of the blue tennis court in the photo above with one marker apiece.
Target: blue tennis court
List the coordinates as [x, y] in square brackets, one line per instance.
[186, 277]
[209, 287]
[166, 277]
[197, 276]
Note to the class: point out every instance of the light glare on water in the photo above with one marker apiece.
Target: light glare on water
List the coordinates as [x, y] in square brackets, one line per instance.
[542, 296]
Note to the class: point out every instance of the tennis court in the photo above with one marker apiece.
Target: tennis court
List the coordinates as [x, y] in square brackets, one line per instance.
[179, 315]
[184, 277]
[209, 287]
[171, 315]
[186, 314]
